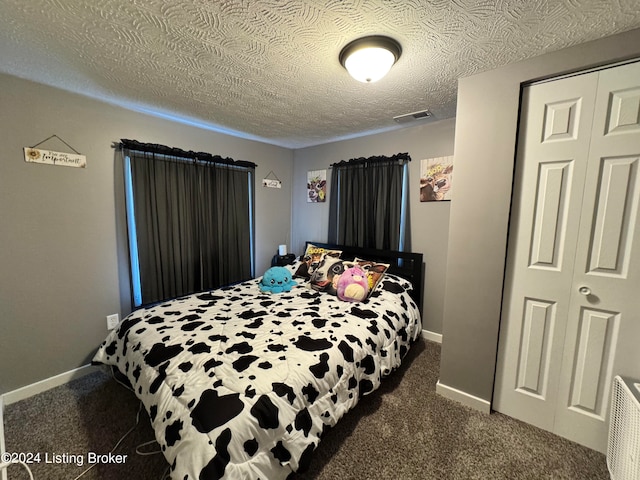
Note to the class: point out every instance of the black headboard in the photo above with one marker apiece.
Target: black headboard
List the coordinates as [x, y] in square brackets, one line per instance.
[404, 264]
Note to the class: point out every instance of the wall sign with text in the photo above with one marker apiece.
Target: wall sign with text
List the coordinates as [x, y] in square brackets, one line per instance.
[49, 157]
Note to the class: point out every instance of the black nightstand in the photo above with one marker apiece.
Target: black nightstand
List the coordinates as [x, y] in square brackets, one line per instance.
[282, 260]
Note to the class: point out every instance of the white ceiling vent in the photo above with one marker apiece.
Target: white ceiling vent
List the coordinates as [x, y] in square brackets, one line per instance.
[412, 117]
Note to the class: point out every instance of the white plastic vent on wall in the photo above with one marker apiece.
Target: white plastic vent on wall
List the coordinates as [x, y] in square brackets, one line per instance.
[623, 450]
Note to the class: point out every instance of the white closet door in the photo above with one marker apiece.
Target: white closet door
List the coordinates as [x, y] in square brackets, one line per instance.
[571, 317]
[603, 326]
[552, 157]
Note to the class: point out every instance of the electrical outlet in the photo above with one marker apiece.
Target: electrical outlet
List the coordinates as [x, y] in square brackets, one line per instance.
[112, 321]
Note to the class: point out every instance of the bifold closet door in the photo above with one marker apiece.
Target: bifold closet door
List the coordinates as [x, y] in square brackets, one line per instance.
[571, 310]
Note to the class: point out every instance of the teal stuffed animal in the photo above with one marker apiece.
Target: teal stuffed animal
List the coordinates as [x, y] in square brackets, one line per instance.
[277, 280]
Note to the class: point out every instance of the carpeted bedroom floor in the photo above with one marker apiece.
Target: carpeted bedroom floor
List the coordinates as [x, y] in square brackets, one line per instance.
[402, 431]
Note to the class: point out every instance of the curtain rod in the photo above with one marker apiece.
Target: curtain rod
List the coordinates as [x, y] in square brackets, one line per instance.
[376, 158]
[178, 152]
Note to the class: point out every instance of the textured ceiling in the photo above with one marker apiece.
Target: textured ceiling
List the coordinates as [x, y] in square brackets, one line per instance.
[269, 70]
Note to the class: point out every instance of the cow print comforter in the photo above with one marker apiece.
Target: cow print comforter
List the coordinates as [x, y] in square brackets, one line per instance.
[242, 384]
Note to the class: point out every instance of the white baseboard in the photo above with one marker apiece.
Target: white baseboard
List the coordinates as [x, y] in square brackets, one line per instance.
[462, 397]
[46, 384]
[432, 336]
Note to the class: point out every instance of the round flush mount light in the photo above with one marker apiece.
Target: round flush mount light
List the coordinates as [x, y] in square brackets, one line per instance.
[368, 59]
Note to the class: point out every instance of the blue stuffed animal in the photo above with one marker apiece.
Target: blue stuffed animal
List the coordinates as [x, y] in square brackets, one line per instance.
[277, 280]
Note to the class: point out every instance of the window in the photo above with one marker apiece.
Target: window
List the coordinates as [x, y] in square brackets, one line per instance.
[368, 202]
[190, 221]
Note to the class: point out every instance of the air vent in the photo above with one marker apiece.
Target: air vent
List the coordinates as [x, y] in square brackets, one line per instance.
[412, 117]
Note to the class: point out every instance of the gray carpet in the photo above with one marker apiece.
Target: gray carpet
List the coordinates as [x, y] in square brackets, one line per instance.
[402, 431]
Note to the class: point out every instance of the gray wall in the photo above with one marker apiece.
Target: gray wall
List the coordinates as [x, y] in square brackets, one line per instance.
[485, 138]
[64, 251]
[429, 221]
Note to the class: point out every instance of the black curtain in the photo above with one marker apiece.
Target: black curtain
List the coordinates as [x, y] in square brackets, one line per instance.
[192, 219]
[368, 206]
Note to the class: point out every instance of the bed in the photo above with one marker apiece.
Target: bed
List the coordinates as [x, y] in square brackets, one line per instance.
[241, 384]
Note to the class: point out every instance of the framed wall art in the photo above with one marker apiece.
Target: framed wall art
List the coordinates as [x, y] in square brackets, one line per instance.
[436, 175]
[316, 186]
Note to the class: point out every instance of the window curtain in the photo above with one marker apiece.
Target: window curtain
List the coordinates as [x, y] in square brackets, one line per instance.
[193, 220]
[368, 202]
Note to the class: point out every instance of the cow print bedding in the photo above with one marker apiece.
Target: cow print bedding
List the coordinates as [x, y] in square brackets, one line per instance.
[242, 384]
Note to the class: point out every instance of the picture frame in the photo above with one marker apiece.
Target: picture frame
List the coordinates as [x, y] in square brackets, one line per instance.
[436, 179]
[316, 186]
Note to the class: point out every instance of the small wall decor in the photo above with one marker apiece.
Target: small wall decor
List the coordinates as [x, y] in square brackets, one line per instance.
[271, 182]
[49, 157]
[316, 186]
[436, 176]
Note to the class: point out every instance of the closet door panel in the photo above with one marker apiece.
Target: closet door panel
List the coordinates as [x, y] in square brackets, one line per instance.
[553, 146]
[603, 324]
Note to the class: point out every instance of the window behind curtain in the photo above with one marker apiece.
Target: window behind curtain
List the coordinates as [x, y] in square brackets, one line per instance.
[190, 221]
[368, 203]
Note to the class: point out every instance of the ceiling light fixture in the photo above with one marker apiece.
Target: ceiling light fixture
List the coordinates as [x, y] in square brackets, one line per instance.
[368, 59]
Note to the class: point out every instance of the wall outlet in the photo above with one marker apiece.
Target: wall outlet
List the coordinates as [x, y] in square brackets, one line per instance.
[112, 321]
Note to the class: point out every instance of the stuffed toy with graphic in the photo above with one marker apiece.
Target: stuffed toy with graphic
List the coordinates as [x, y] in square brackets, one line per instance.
[353, 285]
[277, 280]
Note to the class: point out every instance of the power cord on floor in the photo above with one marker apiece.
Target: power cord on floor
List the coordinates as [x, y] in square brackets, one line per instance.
[144, 454]
[6, 465]
[165, 475]
[112, 370]
[119, 441]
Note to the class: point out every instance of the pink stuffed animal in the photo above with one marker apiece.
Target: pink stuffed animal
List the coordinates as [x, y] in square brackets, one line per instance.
[353, 285]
